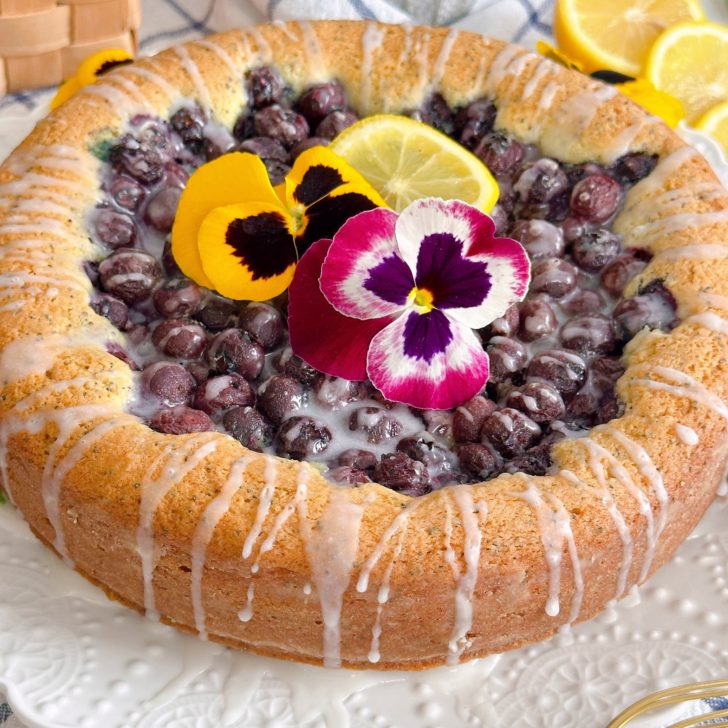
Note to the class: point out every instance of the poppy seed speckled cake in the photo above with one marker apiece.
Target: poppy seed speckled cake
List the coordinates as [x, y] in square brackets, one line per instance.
[193, 448]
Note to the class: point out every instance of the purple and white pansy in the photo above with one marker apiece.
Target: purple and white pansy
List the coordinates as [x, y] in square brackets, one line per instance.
[406, 291]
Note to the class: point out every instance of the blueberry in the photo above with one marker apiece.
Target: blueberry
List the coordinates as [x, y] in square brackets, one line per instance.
[584, 300]
[541, 181]
[357, 459]
[112, 308]
[376, 423]
[424, 448]
[478, 460]
[279, 397]
[541, 239]
[595, 249]
[589, 333]
[216, 312]
[333, 124]
[537, 319]
[565, 370]
[302, 438]
[223, 392]
[233, 350]
[436, 112]
[129, 274]
[537, 459]
[507, 324]
[403, 474]
[249, 427]
[273, 153]
[313, 141]
[345, 475]
[469, 417]
[283, 125]
[244, 127]
[654, 307]
[180, 421]
[168, 262]
[510, 431]
[437, 422]
[474, 121]
[335, 393]
[162, 207]
[127, 192]
[263, 322]
[634, 166]
[508, 358]
[180, 338]
[177, 298]
[499, 153]
[264, 86]
[321, 100]
[596, 198]
[295, 367]
[114, 229]
[143, 152]
[554, 277]
[189, 122]
[170, 383]
[539, 400]
[615, 276]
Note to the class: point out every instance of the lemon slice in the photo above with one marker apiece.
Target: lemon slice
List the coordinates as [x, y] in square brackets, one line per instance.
[690, 62]
[616, 34]
[405, 160]
[715, 123]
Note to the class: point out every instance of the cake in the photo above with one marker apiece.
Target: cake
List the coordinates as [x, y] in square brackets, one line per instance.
[594, 450]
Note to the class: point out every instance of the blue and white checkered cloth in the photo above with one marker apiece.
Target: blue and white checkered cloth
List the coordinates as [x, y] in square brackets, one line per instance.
[172, 21]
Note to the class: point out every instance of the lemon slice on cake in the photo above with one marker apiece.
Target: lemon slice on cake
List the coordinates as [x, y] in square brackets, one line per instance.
[690, 62]
[405, 160]
[616, 34]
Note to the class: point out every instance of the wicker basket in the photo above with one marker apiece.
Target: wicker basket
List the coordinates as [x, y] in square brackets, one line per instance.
[43, 41]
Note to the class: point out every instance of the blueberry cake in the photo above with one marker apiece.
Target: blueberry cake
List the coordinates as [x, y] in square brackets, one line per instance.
[168, 444]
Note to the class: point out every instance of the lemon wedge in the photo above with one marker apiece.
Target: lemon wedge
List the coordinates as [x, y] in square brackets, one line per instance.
[690, 62]
[715, 123]
[405, 160]
[616, 34]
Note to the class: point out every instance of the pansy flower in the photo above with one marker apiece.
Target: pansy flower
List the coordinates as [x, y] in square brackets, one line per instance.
[395, 298]
[237, 234]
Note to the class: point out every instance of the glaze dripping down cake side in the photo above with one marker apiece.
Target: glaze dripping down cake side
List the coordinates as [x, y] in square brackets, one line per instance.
[263, 552]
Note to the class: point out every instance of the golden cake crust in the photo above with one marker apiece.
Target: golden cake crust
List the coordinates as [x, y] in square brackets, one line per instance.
[461, 572]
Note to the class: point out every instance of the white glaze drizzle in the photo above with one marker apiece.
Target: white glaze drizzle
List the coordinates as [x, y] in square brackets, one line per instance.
[541, 70]
[606, 499]
[467, 580]
[223, 55]
[681, 385]
[709, 320]
[213, 513]
[650, 232]
[438, 70]
[371, 41]
[687, 435]
[264, 503]
[263, 50]
[655, 181]
[314, 52]
[201, 89]
[283, 27]
[55, 471]
[548, 94]
[422, 56]
[700, 251]
[159, 81]
[331, 548]
[554, 527]
[119, 100]
[176, 461]
[648, 471]
[130, 87]
[597, 454]
[499, 67]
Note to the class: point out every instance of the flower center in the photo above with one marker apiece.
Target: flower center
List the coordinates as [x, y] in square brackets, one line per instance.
[298, 216]
[422, 299]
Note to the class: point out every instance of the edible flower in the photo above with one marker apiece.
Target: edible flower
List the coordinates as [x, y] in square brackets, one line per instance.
[235, 233]
[640, 90]
[89, 71]
[394, 297]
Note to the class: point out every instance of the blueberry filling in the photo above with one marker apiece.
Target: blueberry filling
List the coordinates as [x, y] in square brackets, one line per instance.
[208, 363]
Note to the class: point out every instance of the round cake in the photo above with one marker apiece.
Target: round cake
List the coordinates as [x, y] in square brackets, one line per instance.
[170, 446]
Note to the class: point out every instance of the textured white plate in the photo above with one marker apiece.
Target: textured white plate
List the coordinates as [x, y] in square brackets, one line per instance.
[69, 658]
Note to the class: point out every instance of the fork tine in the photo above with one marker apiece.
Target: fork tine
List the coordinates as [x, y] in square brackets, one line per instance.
[678, 694]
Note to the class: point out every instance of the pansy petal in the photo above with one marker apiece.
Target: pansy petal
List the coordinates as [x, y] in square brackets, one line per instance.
[317, 172]
[429, 224]
[231, 178]
[363, 276]
[343, 351]
[248, 250]
[427, 361]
